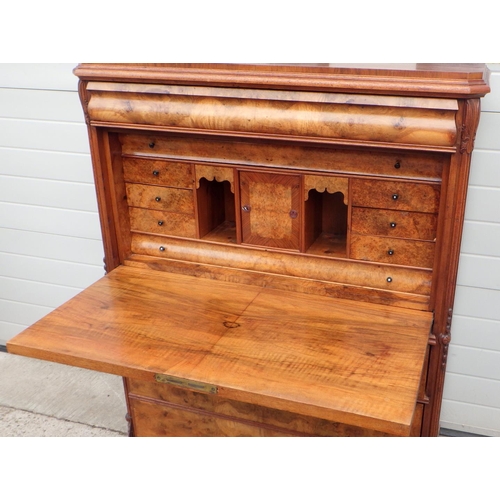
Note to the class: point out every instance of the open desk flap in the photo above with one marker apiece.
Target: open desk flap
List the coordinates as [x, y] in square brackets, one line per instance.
[353, 363]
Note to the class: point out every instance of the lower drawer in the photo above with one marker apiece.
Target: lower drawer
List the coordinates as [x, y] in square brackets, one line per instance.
[392, 250]
[163, 410]
[159, 420]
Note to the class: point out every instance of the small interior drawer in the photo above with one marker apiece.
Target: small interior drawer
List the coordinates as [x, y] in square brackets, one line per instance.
[166, 223]
[392, 251]
[394, 223]
[160, 198]
[164, 173]
[395, 195]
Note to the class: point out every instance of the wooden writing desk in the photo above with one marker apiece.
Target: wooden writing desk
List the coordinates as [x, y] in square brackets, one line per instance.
[281, 245]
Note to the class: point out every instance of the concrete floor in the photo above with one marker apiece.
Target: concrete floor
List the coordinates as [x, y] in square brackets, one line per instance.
[42, 399]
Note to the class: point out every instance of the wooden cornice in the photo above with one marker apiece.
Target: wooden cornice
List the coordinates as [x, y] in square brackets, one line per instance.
[431, 80]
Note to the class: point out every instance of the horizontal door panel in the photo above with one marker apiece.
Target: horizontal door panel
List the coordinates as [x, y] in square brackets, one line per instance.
[34, 104]
[46, 165]
[50, 220]
[48, 193]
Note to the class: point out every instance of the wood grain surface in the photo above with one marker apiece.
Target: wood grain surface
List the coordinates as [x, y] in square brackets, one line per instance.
[405, 165]
[394, 223]
[153, 171]
[395, 195]
[326, 358]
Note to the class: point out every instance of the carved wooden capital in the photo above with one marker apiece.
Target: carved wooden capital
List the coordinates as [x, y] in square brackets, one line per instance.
[445, 338]
[471, 121]
[84, 99]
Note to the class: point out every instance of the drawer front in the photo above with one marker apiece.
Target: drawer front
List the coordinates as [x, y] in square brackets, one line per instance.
[395, 195]
[342, 271]
[392, 251]
[160, 198]
[393, 223]
[219, 408]
[420, 166]
[158, 222]
[162, 173]
[157, 420]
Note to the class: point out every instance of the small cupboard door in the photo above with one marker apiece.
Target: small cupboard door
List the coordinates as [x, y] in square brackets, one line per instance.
[270, 209]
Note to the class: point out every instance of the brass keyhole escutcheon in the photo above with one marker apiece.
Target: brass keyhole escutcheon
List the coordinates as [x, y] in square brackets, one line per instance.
[246, 208]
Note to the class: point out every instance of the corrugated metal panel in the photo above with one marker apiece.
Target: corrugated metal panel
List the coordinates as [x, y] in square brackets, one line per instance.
[50, 240]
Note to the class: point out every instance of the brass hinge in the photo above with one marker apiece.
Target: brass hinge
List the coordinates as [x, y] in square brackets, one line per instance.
[186, 384]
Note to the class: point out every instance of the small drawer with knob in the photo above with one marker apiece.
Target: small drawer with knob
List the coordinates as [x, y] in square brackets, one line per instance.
[160, 198]
[159, 172]
[394, 223]
[394, 195]
[165, 223]
[410, 253]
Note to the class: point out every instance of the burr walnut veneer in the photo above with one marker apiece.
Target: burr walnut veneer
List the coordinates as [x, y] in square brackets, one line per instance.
[281, 245]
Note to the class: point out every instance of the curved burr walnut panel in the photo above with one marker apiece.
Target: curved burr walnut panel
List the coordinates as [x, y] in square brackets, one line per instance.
[380, 119]
[349, 272]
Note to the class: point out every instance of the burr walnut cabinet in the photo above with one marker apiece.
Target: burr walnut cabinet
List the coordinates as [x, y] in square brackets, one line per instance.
[281, 245]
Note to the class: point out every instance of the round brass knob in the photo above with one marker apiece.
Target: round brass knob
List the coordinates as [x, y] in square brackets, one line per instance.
[390, 252]
[156, 173]
[158, 199]
[152, 144]
[397, 165]
[389, 280]
[395, 197]
[160, 223]
[393, 224]
[162, 249]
